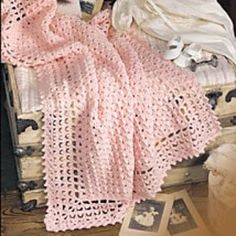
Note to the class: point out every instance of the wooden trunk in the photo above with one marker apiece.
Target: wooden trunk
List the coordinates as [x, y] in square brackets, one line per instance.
[27, 140]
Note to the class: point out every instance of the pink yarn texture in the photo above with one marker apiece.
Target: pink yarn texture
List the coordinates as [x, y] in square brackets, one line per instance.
[116, 114]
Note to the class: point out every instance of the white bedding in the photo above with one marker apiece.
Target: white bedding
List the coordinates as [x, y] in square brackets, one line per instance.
[201, 21]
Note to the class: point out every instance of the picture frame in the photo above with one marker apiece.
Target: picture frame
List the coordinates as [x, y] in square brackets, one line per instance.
[184, 219]
[149, 217]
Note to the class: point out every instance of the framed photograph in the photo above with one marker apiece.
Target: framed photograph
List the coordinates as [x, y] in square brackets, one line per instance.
[148, 218]
[184, 219]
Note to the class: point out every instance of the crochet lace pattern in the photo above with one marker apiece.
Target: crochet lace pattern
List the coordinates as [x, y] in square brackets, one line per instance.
[116, 114]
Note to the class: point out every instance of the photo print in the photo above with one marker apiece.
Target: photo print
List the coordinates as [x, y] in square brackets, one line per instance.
[184, 219]
[181, 219]
[148, 218]
[147, 215]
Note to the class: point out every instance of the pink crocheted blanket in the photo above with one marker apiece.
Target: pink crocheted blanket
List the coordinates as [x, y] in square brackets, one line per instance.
[116, 114]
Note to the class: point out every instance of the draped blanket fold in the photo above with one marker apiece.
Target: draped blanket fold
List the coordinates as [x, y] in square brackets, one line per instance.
[116, 114]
